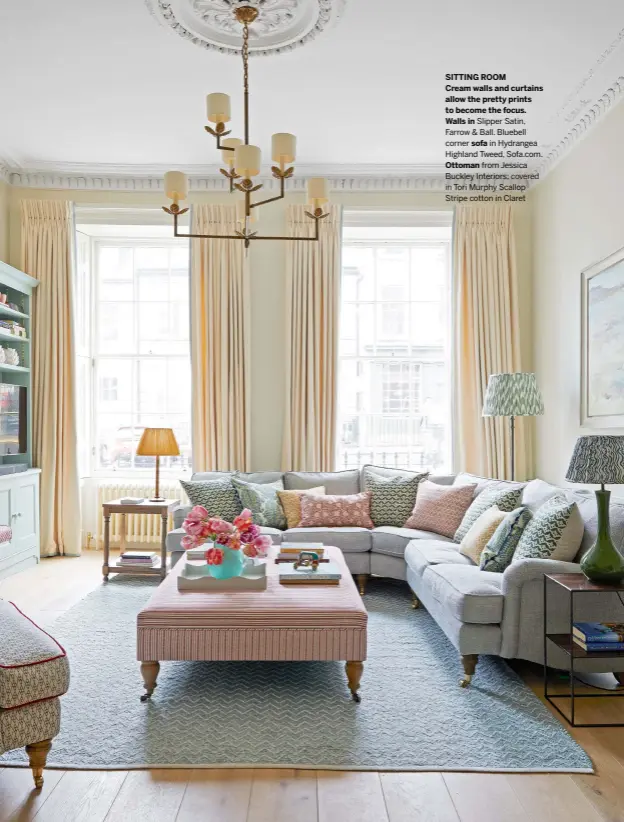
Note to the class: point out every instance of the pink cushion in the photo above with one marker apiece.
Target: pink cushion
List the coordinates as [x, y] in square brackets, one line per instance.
[335, 510]
[6, 534]
[440, 508]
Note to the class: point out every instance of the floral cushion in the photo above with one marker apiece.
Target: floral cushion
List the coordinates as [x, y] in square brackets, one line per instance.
[262, 501]
[501, 546]
[440, 508]
[504, 499]
[291, 503]
[393, 494]
[217, 496]
[335, 511]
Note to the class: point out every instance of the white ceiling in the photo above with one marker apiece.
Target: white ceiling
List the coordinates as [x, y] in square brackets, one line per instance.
[98, 82]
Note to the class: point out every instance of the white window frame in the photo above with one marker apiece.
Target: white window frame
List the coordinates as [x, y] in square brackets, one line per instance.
[415, 220]
[127, 242]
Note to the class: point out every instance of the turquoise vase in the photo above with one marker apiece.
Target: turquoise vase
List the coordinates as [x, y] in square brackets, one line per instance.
[603, 562]
[232, 565]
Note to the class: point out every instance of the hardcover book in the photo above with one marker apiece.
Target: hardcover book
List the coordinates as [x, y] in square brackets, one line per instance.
[591, 632]
[327, 574]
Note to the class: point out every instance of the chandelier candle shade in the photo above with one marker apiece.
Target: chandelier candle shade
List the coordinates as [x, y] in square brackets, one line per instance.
[158, 442]
[243, 160]
[512, 395]
[599, 460]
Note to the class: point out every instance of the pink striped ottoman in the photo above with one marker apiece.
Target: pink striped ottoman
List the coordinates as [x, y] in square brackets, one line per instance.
[284, 623]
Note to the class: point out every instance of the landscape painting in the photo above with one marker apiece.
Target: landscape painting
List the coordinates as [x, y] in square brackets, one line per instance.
[603, 343]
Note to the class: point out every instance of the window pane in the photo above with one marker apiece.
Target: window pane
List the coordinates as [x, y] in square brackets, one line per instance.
[142, 374]
[394, 375]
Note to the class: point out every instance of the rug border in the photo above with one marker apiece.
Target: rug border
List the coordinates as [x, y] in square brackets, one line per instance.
[284, 766]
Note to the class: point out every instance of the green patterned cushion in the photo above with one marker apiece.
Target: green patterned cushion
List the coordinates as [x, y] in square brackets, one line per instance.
[393, 495]
[501, 546]
[218, 496]
[555, 532]
[262, 501]
[505, 500]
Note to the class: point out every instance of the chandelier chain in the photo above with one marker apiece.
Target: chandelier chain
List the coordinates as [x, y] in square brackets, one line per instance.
[245, 51]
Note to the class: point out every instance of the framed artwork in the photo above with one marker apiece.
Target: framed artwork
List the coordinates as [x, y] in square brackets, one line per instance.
[602, 367]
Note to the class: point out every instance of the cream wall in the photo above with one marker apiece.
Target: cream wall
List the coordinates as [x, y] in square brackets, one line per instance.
[268, 264]
[578, 219]
[4, 222]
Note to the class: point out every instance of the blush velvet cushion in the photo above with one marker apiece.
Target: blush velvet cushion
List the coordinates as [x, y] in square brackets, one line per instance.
[334, 511]
[440, 508]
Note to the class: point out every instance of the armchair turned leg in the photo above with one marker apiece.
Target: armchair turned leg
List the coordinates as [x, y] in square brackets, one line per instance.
[362, 579]
[469, 661]
[37, 756]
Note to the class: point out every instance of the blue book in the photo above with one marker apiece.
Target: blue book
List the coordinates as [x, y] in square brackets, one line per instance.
[613, 647]
[590, 632]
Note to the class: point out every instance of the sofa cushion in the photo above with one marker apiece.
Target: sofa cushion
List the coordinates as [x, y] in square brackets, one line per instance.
[393, 494]
[466, 592]
[537, 492]
[421, 553]
[262, 500]
[33, 666]
[479, 533]
[336, 510]
[440, 508]
[555, 532]
[217, 496]
[502, 544]
[335, 482]
[394, 541]
[505, 499]
[259, 477]
[486, 483]
[291, 503]
[350, 540]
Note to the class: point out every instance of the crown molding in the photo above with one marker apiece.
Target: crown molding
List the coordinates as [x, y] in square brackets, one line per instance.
[580, 129]
[79, 177]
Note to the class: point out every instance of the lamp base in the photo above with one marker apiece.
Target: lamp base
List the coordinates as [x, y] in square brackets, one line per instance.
[156, 499]
[603, 563]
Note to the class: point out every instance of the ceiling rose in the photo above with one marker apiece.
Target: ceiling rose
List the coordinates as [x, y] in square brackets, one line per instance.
[282, 25]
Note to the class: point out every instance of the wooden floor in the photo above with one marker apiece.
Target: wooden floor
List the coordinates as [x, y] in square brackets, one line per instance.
[295, 796]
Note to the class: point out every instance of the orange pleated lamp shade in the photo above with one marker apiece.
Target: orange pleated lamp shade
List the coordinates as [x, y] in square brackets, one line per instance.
[158, 442]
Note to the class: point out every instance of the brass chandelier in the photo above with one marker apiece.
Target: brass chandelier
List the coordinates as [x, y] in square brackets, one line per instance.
[243, 161]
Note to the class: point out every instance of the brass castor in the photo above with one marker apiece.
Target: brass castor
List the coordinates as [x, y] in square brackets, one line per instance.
[469, 661]
[415, 602]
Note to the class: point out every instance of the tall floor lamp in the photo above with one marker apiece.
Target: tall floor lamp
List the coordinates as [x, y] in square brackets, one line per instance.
[513, 395]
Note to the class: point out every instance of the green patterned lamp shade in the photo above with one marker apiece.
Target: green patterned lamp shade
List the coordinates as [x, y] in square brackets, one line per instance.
[600, 459]
[512, 395]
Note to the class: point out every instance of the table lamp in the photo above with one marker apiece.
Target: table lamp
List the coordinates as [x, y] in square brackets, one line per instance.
[157, 442]
[600, 459]
[512, 395]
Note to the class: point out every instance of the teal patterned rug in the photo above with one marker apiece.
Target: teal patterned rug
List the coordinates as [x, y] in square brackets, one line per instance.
[413, 714]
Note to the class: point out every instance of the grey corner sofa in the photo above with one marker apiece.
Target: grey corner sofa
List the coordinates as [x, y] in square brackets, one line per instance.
[481, 612]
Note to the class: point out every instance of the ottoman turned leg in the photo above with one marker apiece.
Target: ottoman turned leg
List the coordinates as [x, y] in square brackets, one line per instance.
[37, 756]
[149, 672]
[354, 675]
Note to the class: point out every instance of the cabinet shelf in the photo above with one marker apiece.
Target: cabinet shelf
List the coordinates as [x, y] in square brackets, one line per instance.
[5, 311]
[6, 335]
[5, 366]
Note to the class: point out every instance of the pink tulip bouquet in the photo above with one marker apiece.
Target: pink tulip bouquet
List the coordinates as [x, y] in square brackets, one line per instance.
[240, 535]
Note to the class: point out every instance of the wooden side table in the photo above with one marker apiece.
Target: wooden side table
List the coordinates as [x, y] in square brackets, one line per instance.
[163, 509]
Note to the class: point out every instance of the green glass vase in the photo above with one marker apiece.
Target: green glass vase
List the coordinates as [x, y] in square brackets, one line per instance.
[603, 562]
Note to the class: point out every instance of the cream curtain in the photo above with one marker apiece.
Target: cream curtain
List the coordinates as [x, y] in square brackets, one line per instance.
[47, 243]
[487, 339]
[312, 311]
[219, 344]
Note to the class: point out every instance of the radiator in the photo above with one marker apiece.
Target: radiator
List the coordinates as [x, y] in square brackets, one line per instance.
[141, 528]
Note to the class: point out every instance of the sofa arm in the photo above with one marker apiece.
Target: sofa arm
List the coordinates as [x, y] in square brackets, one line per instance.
[527, 570]
[179, 515]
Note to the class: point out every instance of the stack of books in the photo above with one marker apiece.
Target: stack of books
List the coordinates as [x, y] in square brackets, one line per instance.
[599, 636]
[132, 500]
[295, 548]
[326, 574]
[138, 558]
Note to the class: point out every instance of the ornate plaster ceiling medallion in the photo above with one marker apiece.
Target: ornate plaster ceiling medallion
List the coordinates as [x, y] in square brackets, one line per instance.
[282, 25]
